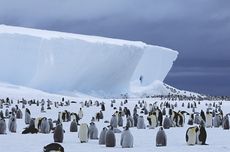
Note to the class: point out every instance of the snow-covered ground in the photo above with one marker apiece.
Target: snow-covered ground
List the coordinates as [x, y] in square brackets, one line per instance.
[144, 140]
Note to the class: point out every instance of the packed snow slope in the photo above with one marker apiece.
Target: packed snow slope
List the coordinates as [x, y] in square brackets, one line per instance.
[57, 61]
[157, 88]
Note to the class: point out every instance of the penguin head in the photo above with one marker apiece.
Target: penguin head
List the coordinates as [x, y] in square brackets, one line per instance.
[161, 128]
[126, 128]
[196, 129]
[92, 123]
[202, 123]
[110, 127]
[104, 128]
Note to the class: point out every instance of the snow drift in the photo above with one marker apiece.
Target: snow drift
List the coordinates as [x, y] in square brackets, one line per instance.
[56, 61]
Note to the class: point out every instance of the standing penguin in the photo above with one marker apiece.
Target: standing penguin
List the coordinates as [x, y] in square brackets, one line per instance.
[93, 131]
[51, 124]
[45, 126]
[19, 114]
[201, 135]
[27, 116]
[203, 115]
[2, 126]
[126, 138]
[208, 119]
[102, 136]
[129, 121]
[225, 122]
[7, 113]
[58, 133]
[113, 121]
[190, 120]
[160, 118]
[191, 135]
[197, 118]
[153, 119]
[164, 111]
[80, 113]
[166, 122]
[161, 138]
[110, 139]
[83, 133]
[12, 124]
[120, 120]
[73, 126]
[216, 121]
[140, 122]
[102, 106]
[135, 119]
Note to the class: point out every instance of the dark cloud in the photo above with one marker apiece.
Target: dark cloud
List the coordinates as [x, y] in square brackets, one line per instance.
[198, 29]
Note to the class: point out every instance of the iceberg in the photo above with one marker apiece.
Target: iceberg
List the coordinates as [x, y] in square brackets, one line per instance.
[57, 61]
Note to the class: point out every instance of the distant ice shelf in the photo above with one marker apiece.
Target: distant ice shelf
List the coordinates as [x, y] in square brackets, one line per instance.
[56, 61]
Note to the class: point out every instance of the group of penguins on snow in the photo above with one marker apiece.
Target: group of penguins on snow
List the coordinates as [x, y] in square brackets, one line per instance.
[163, 116]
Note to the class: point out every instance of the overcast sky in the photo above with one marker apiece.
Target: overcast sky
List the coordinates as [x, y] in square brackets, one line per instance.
[198, 29]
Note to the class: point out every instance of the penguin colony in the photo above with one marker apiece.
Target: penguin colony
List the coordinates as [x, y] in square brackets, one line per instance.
[159, 115]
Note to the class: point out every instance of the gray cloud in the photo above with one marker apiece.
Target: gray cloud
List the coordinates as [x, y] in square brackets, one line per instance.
[198, 29]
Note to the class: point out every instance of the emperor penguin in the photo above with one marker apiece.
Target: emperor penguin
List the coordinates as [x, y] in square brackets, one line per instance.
[58, 133]
[53, 147]
[153, 119]
[51, 124]
[202, 115]
[216, 121]
[201, 135]
[191, 119]
[45, 126]
[61, 116]
[126, 138]
[2, 126]
[19, 114]
[31, 128]
[129, 121]
[110, 139]
[208, 120]
[140, 123]
[102, 136]
[161, 138]
[80, 113]
[7, 113]
[120, 120]
[12, 124]
[166, 122]
[160, 118]
[73, 126]
[27, 116]
[197, 118]
[83, 133]
[113, 121]
[225, 122]
[93, 131]
[164, 111]
[191, 135]
[135, 119]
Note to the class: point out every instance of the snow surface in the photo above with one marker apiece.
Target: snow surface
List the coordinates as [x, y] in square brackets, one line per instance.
[59, 62]
[144, 140]
[157, 87]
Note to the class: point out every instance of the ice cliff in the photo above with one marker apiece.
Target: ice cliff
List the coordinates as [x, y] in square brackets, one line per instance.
[57, 61]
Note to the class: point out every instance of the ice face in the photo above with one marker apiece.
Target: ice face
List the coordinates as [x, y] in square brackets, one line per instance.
[79, 65]
[155, 64]
[55, 61]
